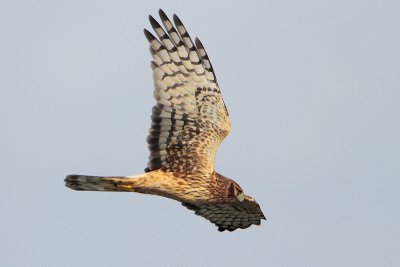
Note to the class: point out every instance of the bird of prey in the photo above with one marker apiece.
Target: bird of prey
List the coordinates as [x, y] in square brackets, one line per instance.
[188, 123]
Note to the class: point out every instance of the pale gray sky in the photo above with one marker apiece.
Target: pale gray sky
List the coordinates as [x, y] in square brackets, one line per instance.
[313, 90]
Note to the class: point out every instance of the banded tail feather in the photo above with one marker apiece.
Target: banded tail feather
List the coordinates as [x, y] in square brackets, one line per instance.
[100, 183]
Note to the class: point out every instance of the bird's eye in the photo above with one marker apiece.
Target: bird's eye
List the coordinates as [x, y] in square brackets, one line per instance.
[238, 190]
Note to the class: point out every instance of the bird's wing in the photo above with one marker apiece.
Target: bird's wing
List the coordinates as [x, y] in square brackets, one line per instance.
[190, 119]
[230, 215]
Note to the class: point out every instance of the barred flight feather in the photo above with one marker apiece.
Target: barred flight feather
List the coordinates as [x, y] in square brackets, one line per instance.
[186, 93]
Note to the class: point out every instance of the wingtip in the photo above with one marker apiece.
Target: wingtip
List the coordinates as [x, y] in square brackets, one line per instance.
[177, 20]
[153, 22]
[164, 17]
[161, 13]
[198, 43]
[150, 37]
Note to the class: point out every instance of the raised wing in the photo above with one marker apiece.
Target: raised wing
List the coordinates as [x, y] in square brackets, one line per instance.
[190, 119]
[230, 216]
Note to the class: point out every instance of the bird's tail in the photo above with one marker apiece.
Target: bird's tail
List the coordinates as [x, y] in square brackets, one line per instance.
[101, 183]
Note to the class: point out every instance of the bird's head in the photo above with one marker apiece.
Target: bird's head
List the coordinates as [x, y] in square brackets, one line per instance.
[234, 190]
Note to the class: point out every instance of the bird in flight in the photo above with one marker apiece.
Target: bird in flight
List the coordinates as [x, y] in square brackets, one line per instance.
[188, 123]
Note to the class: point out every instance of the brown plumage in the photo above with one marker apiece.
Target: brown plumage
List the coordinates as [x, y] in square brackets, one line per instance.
[189, 121]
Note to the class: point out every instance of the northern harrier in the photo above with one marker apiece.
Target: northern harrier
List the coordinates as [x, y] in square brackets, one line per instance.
[189, 121]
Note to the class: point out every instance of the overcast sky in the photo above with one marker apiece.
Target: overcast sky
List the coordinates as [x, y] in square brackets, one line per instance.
[313, 91]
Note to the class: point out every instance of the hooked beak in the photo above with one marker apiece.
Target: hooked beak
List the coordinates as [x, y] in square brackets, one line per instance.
[240, 197]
